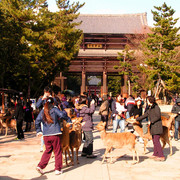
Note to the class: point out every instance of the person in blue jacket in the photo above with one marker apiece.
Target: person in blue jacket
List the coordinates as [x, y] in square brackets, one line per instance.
[50, 117]
[42, 100]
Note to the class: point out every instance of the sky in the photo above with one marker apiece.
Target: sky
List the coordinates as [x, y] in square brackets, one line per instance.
[123, 7]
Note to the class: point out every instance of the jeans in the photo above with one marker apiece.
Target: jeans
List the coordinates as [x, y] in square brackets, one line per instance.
[127, 115]
[88, 144]
[177, 123]
[121, 123]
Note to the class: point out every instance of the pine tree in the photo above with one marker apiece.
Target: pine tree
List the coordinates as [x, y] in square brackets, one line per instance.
[160, 50]
[125, 59]
[35, 43]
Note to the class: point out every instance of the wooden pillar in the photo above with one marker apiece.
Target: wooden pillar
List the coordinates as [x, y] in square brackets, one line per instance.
[3, 103]
[104, 82]
[61, 81]
[83, 82]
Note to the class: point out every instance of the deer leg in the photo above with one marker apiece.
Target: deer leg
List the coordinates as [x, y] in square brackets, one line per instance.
[137, 156]
[104, 156]
[170, 147]
[65, 153]
[69, 153]
[110, 151]
[6, 131]
[135, 153]
[77, 160]
[145, 144]
[72, 158]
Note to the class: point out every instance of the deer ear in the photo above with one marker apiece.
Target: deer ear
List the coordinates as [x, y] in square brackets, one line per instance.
[136, 116]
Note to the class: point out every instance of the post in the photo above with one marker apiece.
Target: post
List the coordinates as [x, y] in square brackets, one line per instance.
[61, 81]
[83, 82]
[104, 82]
[3, 103]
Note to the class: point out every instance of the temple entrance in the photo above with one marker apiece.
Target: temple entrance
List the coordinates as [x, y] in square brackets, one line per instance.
[94, 84]
[99, 50]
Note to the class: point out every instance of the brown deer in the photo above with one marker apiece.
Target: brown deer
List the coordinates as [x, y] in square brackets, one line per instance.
[165, 137]
[169, 122]
[117, 140]
[65, 141]
[9, 123]
[75, 138]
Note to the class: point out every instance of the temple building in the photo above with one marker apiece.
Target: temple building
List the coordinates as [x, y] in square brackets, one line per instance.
[103, 37]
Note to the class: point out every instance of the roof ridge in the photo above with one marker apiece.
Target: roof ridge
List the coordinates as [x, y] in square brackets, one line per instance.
[137, 14]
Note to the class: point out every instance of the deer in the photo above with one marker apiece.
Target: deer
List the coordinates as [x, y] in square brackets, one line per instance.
[117, 140]
[9, 123]
[65, 141]
[164, 137]
[169, 122]
[75, 137]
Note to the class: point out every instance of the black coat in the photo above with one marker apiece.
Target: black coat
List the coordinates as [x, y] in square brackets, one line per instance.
[19, 112]
[137, 111]
[154, 115]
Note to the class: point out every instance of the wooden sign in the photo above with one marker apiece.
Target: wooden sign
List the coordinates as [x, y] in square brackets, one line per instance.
[96, 46]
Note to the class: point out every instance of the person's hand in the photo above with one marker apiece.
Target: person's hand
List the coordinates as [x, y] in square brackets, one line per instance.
[83, 123]
[44, 97]
[92, 102]
[39, 134]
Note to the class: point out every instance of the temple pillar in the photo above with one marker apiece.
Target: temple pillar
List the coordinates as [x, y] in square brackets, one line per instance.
[61, 82]
[3, 103]
[104, 83]
[83, 82]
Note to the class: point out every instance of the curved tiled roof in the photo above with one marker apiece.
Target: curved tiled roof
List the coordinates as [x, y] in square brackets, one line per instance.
[113, 23]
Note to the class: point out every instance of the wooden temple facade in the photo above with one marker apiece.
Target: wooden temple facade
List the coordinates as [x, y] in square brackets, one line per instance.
[103, 37]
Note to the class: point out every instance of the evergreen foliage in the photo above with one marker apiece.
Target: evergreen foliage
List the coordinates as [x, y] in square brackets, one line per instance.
[125, 68]
[161, 50]
[35, 43]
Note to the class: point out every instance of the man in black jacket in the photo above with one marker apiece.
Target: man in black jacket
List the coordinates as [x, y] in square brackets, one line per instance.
[19, 115]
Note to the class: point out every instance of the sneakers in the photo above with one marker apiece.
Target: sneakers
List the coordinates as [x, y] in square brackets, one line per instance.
[39, 170]
[83, 154]
[159, 159]
[152, 157]
[17, 139]
[57, 172]
[91, 156]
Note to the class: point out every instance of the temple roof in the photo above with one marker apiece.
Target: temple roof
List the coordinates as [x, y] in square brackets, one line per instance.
[113, 23]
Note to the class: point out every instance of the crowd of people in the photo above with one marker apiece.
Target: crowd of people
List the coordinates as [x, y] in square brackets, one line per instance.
[115, 110]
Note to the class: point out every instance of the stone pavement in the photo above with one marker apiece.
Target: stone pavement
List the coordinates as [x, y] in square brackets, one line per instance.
[18, 160]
